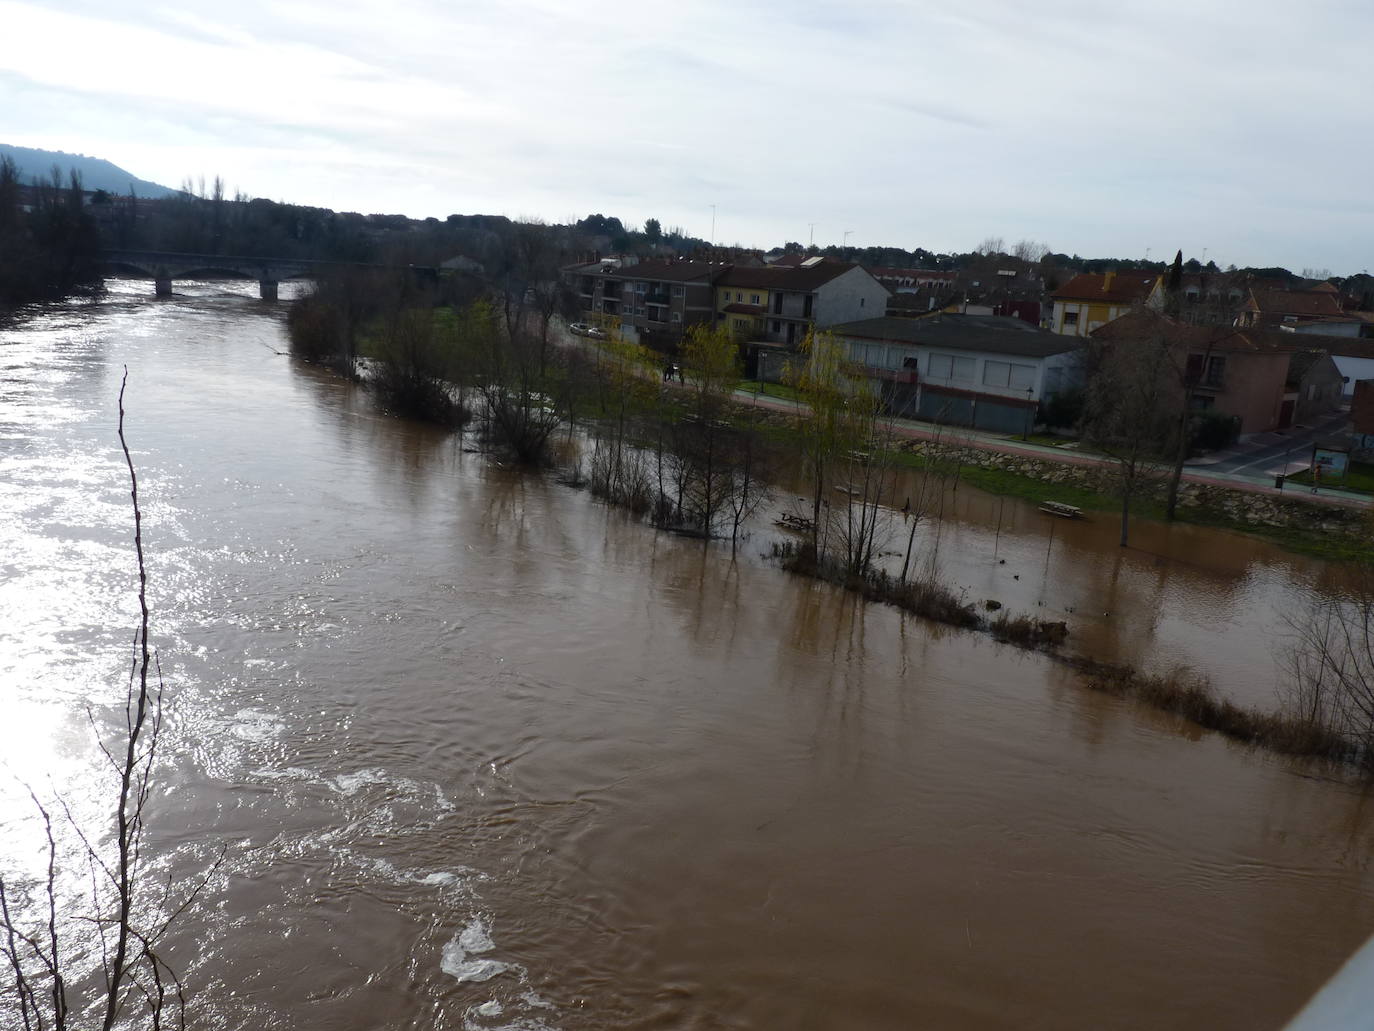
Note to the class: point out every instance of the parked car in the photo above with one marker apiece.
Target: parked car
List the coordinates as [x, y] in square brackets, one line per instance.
[596, 333]
[580, 328]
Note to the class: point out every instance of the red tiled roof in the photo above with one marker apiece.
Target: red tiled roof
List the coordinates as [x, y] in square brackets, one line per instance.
[1301, 303]
[1222, 339]
[1112, 288]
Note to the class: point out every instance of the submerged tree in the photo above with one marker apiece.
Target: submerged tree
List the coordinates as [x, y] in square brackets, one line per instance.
[818, 374]
[1330, 661]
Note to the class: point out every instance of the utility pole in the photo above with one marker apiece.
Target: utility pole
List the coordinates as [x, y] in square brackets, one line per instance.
[713, 225]
[844, 244]
[811, 242]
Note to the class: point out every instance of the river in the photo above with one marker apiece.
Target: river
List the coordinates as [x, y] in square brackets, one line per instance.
[485, 754]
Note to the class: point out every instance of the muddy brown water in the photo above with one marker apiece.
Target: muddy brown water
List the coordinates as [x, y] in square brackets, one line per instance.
[486, 754]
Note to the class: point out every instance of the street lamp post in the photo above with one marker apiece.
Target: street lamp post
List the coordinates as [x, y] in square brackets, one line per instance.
[1030, 409]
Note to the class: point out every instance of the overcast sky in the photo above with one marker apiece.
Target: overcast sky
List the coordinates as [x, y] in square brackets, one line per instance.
[1101, 129]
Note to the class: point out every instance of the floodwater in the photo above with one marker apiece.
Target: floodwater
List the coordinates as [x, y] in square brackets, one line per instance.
[485, 754]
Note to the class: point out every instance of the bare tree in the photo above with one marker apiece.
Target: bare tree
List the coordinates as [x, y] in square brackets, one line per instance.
[44, 946]
[990, 246]
[1030, 251]
[1330, 661]
[1130, 411]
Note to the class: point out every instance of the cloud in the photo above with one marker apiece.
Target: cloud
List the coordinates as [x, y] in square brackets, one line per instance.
[1103, 130]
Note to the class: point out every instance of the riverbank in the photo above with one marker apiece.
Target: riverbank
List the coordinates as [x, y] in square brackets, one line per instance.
[1321, 527]
[691, 456]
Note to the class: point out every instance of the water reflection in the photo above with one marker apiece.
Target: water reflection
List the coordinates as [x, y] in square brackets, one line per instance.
[489, 754]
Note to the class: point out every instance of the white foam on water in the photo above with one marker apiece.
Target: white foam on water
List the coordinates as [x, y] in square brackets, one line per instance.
[447, 876]
[520, 1023]
[474, 936]
[458, 962]
[489, 1009]
[351, 783]
[535, 1000]
[255, 726]
[459, 876]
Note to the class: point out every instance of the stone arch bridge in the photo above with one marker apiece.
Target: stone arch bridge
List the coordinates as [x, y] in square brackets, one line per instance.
[163, 267]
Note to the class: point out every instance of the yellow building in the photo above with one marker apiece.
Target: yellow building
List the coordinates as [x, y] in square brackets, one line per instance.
[1089, 301]
[741, 307]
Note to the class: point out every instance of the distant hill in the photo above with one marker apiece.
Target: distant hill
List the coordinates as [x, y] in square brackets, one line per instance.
[96, 173]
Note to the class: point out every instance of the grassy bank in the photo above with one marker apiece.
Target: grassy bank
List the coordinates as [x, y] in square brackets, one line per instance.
[1318, 543]
[781, 391]
[1360, 477]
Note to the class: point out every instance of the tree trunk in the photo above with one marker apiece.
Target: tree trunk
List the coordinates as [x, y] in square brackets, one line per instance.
[1125, 515]
[910, 538]
[1180, 456]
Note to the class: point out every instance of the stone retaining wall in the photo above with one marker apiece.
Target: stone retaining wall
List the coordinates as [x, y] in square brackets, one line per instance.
[1293, 511]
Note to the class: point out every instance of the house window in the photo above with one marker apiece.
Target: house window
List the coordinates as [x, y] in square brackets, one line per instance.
[1008, 374]
[753, 298]
[948, 366]
[678, 290]
[861, 302]
[777, 326]
[677, 316]
[996, 374]
[1216, 371]
[1071, 318]
[641, 288]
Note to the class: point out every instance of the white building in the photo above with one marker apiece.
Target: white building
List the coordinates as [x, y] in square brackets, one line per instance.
[985, 371]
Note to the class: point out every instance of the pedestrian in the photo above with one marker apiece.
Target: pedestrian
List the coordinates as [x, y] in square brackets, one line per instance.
[1316, 477]
[667, 371]
[681, 378]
